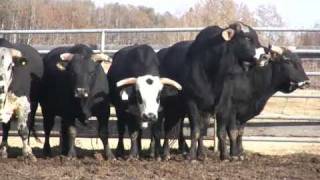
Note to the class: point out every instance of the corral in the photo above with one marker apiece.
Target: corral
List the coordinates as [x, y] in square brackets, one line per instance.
[284, 140]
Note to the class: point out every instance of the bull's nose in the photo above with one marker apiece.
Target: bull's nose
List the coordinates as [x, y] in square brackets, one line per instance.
[150, 116]
[304, 84]
[81, 93]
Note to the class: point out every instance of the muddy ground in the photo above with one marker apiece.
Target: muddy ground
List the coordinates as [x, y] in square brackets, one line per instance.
[89, 165]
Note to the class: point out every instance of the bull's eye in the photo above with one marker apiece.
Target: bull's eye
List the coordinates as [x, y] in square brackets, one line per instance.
[139, 98]
[158, 98]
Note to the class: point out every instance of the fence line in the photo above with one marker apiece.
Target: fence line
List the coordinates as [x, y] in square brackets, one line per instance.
[103, 32]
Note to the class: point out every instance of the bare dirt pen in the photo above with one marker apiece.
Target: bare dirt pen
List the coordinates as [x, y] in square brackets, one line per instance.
[267, 160]
[256, 166]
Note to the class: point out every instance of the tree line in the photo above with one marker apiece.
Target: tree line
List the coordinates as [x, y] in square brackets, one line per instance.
[74, 14]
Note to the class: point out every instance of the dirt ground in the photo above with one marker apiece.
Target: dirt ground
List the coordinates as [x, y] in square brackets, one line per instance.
[255, 166]
[264, 160]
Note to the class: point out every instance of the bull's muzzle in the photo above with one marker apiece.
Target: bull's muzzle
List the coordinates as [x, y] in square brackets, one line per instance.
[81, 93]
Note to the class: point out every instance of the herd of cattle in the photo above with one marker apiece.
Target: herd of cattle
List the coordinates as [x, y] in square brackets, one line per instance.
[224, 72]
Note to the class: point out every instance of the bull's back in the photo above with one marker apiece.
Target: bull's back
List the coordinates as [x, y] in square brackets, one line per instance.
[173, 60]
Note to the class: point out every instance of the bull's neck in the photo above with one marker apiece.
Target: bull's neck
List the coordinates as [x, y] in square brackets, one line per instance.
[207, 70]
[264, 81]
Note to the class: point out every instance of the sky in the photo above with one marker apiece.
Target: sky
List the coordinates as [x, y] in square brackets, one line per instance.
[295, 13]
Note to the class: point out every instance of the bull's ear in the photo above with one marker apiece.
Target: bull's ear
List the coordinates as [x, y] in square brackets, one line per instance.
[228, 34]
[61, 66]
[64, 59]
[66, 56]
[15, 53]
[168, 91]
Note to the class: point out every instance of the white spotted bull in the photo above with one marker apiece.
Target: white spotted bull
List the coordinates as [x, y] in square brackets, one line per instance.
[21, 69]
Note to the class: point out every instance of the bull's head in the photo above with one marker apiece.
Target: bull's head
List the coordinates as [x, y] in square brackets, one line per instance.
[84, 73]
[82, 70]
[244, 40]
[291, 73]
[147, 93]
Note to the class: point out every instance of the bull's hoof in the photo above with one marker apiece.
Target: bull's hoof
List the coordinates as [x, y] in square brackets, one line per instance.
[27, 158]
[132, 158]
[191, 158]
[109, 156]
[242, 158]
[31, 158]
[3, 153]
[47, 152]
[202, 156]
[193, 161]
[72, 154]
[225, 160]
[158, 159]
[235, 158]
[119, 152]
[98, 156]
[166, 157]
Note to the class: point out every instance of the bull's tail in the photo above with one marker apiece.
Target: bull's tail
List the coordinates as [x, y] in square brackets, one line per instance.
[31, 122]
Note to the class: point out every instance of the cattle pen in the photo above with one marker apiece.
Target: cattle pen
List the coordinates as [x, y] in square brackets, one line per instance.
[281, 124]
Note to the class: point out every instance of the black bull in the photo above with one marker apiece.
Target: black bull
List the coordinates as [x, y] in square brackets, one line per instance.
[201, 66]
[74, 87]
[245, 95]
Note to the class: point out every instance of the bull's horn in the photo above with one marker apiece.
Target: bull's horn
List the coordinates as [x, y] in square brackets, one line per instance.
[100, 57]
[228, 34]
[16, 53]
[66, 56]
[171, 82]
[127, 81]
[277, 49]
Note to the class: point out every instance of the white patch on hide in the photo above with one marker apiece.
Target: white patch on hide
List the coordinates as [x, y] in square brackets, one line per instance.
[259, 51]
[105, 66]
[145, 124]
[124, 95]
[149, 87]
[19, 105]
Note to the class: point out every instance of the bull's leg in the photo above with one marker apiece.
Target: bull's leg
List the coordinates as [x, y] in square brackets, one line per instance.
[182, 147]
[134, 133]
[4, 143]
[121, 130]
[103, 134]
[201, 148]
[48, 123]
[23, 110]
[68, 135]
[205, 122]
[139, 141]
[169, 124]
[221, 133]
[239, 141]
[156, 133]
[233, 135]
[194, 117]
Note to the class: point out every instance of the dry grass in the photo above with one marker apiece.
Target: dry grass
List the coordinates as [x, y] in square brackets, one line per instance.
[295, 106]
